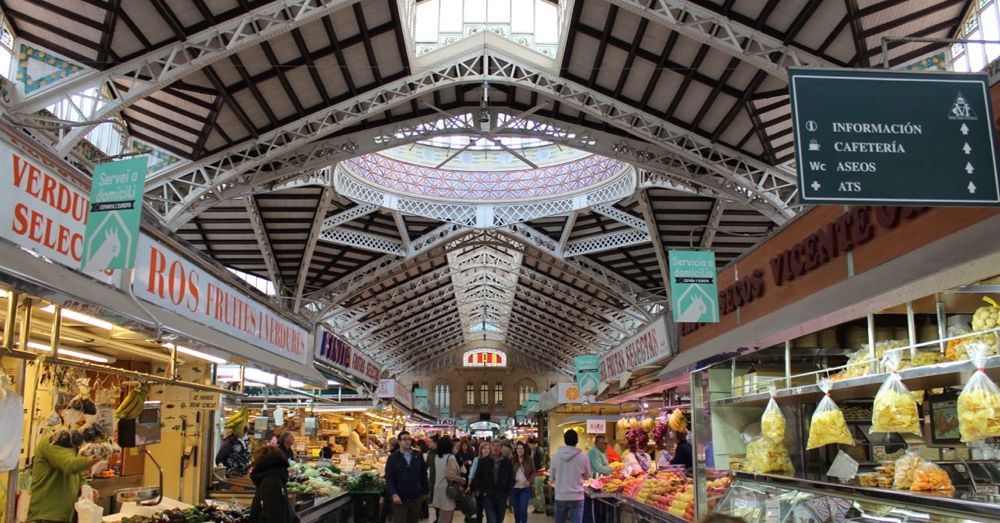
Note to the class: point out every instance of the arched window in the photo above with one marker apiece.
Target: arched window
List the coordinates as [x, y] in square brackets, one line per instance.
[442, 395]
[484, 357]
[526, 387]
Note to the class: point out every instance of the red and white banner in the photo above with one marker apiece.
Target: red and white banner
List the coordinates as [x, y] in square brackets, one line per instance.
[168, 280]
[649, 345]
[41, 210]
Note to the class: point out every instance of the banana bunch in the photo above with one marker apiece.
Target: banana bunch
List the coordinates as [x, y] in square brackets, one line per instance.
[237, 422]
[132, 405]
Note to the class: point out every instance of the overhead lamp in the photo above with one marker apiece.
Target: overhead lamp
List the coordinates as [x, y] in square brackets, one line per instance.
[333, 382]
[80, 317]
[70, 353]
[197, 354]
[4, 294]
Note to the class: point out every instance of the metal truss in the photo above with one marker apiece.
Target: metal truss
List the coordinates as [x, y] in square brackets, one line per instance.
[351, 214]
[174, 190]
[606, 242]
[619, 216]
[482, 302]
[661, 254]
[379, 303]
[404, 234]
[307, 254]
[155, 70]
[714, 218]
[732, 38]
[403, 315]
[363, 240]
[264, 244]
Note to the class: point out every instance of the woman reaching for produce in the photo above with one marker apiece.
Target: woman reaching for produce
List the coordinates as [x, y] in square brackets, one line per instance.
[56, 477]
[270, 474]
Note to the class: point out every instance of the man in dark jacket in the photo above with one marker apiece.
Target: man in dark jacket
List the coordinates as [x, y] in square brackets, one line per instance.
[270, 501]
[495, 479]
[405, 481]
[286, 442]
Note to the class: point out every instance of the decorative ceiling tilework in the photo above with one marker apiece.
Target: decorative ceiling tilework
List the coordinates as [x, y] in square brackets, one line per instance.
[485, 185]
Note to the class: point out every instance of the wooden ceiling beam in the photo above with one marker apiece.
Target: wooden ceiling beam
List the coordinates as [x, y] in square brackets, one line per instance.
[300, 44]
[337, 48]
[758, 78]
[241, 115]
[283, 79]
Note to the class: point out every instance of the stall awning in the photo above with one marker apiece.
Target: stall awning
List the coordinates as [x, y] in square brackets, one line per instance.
[970, 254]
[57, 284]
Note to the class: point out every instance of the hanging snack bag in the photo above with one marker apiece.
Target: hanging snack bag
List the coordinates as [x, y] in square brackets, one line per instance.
[979, 403]
[931, 478]
[895, 409]
[828, 424]
[772, 423]
[765, 456]
[906, 469]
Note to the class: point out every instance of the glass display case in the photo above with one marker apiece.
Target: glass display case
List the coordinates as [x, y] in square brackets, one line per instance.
[774, 499]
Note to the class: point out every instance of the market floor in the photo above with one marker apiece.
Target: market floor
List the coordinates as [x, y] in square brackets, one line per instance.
[532, 518]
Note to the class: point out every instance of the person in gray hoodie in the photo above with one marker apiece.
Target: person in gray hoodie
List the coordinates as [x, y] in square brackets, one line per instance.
[570, 468]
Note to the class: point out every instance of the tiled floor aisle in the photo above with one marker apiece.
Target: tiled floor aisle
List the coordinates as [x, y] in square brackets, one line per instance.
[532, 518]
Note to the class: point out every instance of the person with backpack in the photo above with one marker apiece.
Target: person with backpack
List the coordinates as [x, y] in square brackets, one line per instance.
[270, 474]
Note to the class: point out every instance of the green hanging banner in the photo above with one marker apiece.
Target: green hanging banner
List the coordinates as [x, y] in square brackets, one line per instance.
[114, 215]
[694, 293]
[588, 373]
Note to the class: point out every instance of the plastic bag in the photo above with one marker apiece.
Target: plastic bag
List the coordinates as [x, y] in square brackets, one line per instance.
[772, 423]
[11, 408]
[931, 478]
[894, 409]
[766, 455]
[979, 403]
[906, 469]
[828, 424]
[86, 510]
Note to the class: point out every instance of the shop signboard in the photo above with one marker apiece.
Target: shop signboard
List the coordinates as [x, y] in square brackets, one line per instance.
[522, 411]
[337, 353]
[897, 138]
[650, 345]
[42, 211]
[169, 280]
[588, 373]
[391, 389]
[597, 426]
[444, 412]
[567, 392]
[694, 294]
[204, 400]
[113, 218]
[421, 401]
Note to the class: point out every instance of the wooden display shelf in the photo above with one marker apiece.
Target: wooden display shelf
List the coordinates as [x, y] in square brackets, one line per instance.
[928, 377]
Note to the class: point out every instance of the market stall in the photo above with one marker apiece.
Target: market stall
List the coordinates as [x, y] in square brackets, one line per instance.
[837, 391]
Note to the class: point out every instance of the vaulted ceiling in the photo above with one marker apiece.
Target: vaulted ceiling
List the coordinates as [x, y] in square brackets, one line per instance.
[255, 102]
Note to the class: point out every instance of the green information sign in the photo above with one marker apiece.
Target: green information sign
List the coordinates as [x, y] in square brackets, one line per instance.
[112, 232]
[694, 294]
[893, 137]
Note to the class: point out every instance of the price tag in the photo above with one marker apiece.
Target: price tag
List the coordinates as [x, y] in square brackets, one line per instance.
[844, 467]
[772, 511]
[597, 426]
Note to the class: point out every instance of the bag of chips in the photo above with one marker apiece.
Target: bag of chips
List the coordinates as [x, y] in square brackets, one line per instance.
[931, 478]
[828, 425]
[894, 409]
[765, 455]
[979, 403]
[772, 423]
[906, 468]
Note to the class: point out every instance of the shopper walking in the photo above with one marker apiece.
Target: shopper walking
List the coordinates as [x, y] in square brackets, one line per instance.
[484, 454]
[524, 472]
[465, 456]
[598, 456]
[569, 470]
[446, 472]
[234, 455]
[406, 480]
[270, 474]
[495, 479]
